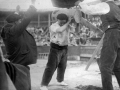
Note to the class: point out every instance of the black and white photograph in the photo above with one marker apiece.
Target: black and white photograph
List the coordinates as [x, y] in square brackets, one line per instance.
[59, 44]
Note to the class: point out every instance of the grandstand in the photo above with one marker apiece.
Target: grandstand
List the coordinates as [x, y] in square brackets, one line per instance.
[82, 41]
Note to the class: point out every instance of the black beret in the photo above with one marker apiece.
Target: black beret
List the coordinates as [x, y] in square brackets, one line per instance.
[12, 18]
[62, 16]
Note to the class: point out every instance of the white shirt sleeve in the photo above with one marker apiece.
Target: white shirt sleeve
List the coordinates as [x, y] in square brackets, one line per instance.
[54, 27]
[95, 9]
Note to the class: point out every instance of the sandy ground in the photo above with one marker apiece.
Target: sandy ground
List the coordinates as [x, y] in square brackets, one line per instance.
[76, 77]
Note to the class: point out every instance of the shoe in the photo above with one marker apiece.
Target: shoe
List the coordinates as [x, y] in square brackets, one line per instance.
[43, 88]
[62, 83]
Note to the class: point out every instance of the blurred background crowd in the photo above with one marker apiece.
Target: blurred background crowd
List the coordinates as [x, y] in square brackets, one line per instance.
[84, 36]
[79, 35]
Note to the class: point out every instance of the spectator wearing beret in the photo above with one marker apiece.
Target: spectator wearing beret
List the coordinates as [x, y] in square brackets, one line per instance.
[21, 49]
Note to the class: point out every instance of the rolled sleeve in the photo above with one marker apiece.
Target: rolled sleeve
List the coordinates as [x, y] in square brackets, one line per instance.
[95, 9]
[54, 27]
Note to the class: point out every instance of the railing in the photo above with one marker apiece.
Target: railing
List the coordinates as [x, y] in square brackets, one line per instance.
[43, 55]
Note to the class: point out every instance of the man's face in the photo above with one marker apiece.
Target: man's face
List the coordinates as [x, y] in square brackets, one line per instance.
[19, 21]
[62, 22]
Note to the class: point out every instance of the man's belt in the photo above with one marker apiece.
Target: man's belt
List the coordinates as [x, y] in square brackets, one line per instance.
[56, 46]
[114, 25]
[58, 43]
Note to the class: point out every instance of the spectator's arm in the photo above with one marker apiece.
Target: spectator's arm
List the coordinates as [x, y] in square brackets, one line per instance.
[20, 27]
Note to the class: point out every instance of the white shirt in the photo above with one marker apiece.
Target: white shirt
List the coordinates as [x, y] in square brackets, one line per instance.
[60, 38]
[95, 8]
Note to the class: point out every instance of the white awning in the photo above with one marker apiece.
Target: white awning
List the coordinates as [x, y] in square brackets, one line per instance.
[41, 5]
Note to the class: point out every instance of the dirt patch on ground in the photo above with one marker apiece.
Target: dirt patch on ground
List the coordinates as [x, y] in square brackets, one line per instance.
[89, 87]
[76, 77]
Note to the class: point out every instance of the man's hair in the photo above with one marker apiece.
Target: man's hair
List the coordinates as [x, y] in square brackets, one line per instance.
[12, 18]
[62, 16]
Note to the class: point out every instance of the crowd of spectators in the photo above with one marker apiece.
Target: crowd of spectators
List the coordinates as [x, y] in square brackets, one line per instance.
[87, 35]
[41, 35]
[83, 37]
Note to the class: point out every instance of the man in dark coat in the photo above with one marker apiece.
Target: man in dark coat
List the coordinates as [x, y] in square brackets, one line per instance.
[110, 53]
[20, 47]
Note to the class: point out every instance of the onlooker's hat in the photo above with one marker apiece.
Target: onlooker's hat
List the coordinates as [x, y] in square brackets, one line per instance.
[13, 17]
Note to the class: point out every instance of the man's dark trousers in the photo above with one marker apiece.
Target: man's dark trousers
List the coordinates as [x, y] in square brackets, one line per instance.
[110, 58]
[57, 60]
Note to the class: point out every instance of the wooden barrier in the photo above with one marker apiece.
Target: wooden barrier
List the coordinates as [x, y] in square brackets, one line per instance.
[43, 55]
[84, 51]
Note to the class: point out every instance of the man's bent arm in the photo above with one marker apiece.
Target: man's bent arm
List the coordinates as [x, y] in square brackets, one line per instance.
[63, 28]
[95, 9]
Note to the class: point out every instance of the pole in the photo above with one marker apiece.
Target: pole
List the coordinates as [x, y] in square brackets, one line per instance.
[95, 52]
[49, 20]
[38, 19]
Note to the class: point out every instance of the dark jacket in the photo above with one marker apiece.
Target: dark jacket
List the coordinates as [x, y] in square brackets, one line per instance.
[20, 45]
[111, 19]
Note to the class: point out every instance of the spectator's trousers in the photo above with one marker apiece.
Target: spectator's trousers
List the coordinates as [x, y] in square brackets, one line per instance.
[19, 74]
[110, 58]
[57, 59]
